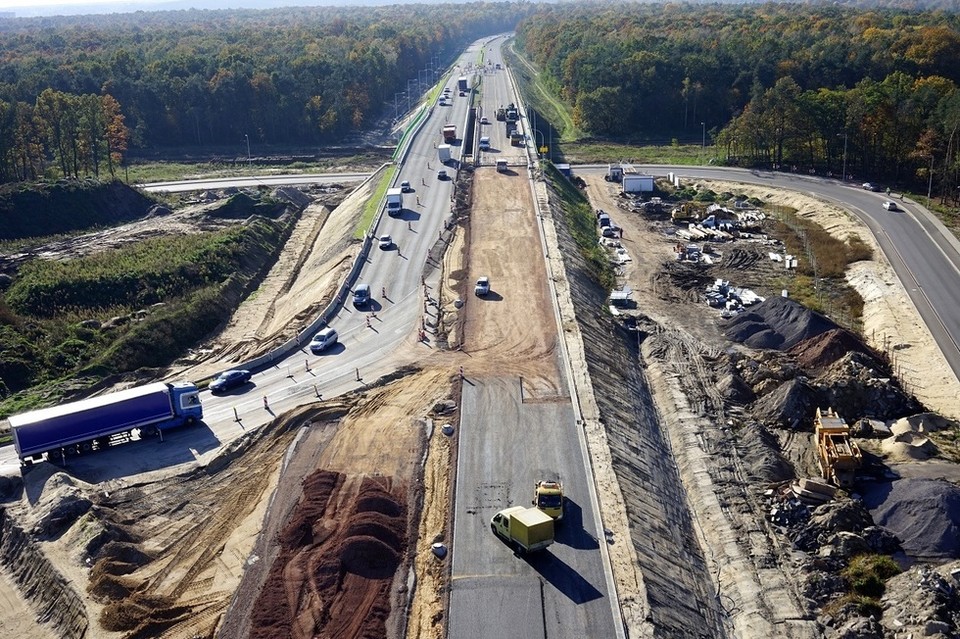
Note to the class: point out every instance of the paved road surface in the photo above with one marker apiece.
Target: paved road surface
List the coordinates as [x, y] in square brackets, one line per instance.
[506, 444]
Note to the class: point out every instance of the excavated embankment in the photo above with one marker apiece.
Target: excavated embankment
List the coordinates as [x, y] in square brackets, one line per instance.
[680, 593]
[50, 596]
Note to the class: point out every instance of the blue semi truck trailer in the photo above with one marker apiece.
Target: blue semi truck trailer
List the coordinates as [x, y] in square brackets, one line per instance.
[97, 422]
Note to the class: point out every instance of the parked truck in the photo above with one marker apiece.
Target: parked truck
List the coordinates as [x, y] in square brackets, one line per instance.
[462, 84]
[516, 137]
[526, 529]
[449, 133]
[548, 497]
[512, 114]
[97, 422]
[443, 152]
[394, 202]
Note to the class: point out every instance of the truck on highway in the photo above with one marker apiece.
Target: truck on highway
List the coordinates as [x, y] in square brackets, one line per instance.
[449, 133]
[394, 202]
[462, 84]
[548, 497]
[443, 152]
[516, 137]
[526, 529]
[97, 422]
[512, 114]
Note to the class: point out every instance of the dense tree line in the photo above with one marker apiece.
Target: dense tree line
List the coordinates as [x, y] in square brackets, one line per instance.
[786, 85]
[206, 78]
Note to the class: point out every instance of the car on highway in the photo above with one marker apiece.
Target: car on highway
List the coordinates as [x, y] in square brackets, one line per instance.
[482, 287]
[484, 120]
[442, 174]
[870, 186]
[462, 94]
[405, 186]
[386, 242]
[230, 379]
[890, 205]
[361, 295]
[323, 340]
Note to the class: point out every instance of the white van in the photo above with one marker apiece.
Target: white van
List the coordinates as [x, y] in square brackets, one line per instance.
[484, 143]
[323, 340]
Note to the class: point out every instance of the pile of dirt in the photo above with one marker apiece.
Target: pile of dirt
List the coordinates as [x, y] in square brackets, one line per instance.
[339, 553]
[818, 352]
[779, 323]
[923, 513]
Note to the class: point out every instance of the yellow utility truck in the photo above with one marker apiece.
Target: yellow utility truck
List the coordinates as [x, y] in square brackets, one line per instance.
[838, 456]
[526, 529]
[548, 497]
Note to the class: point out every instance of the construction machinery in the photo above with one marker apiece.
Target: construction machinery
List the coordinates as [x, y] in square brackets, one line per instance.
[548, 497]
[838, 456]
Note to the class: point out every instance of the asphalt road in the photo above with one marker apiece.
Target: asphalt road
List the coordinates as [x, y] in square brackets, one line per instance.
[506, 445]
[182, 186]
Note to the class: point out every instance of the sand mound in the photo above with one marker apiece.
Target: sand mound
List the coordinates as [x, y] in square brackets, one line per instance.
[819, 351]
[908, 446]
[923, 513]
[779, 323]
[921, 423]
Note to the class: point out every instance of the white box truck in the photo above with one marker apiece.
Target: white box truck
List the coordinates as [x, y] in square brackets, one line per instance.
[394, 202]
[443, 152]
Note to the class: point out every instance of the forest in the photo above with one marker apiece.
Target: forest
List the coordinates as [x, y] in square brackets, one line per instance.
[798, 87]
[291, 77]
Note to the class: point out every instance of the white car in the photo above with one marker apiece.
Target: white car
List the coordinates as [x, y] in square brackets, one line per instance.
[442, 174]
[323, 340]
[482, 287]
[890, 205]
[405, 186]
[386, 241]
[484, 120]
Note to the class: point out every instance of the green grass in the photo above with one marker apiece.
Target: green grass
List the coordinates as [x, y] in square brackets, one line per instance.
[160, 171]
[581, 223]
[593, 152]
[374, 204]
[541, 96]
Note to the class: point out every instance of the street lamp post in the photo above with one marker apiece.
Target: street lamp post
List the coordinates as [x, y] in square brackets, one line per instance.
[844, 177]
[247, 138]
[930, 181]
[703, 139]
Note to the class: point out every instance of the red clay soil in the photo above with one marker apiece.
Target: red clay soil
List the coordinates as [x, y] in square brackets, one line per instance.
[338, 555]
[818, 352]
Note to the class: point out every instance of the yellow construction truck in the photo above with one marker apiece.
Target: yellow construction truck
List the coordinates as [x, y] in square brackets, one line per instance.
[548, 497]
[838, 456]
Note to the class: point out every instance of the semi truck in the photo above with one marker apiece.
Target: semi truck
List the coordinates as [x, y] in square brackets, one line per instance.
[97, 422]
[548, 497]
[449, 133]
[394, 202]
[526, 529]
[462, 83]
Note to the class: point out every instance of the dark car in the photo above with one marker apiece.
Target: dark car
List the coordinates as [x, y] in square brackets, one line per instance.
[229, 379]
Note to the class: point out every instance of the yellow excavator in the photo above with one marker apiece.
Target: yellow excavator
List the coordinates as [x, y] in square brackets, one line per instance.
[838, 456]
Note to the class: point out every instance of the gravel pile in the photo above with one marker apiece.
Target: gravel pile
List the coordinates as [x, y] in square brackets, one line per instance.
[779, 323]
[923, 513]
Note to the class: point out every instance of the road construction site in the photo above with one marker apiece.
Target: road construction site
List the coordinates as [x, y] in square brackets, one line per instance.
[332, 509]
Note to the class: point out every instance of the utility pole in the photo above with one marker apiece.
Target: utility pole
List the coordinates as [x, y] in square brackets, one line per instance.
[930, 182]
[247, 138]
